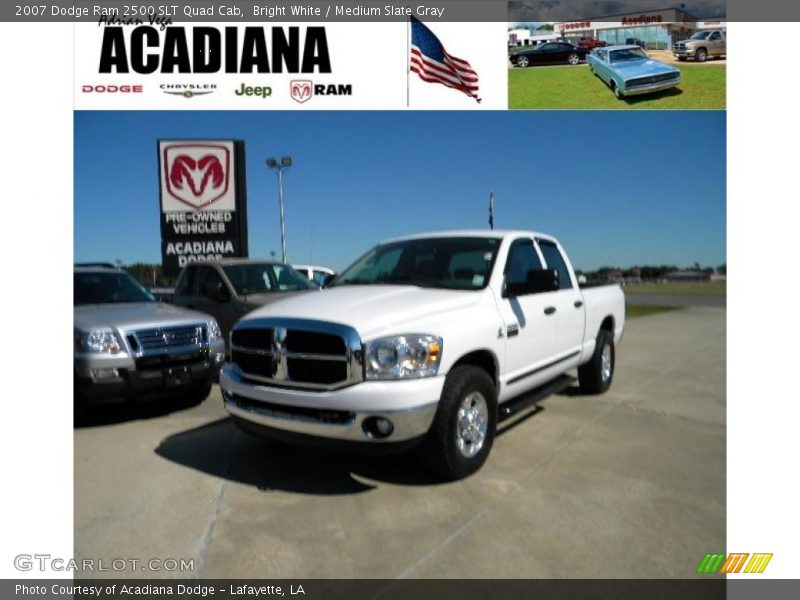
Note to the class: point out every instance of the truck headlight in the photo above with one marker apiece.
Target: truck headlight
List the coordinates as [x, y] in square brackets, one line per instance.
[102, 341]
[214, 332]
[403, 356]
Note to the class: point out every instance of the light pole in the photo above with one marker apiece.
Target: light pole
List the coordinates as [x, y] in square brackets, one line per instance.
[273, 164]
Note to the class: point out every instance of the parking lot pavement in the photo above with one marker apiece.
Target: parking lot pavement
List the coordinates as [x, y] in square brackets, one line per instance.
[628, 484]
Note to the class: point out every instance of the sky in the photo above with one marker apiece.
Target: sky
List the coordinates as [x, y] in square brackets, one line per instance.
[617, 188]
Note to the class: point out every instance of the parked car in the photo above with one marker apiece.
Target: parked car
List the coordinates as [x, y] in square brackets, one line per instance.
[319, 275]
[589, 43]
[549, 54]
[628, 71]
[126, 344]
[701, 45]
[423, 340]
[229, 288]
[636, 42]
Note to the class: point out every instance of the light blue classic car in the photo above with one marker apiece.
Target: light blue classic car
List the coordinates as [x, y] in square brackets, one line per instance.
[628, 71]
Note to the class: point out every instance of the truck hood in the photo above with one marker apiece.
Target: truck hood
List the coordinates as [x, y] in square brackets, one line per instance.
[370, 309]
[269, 297]
[643, 68]
[134, 315]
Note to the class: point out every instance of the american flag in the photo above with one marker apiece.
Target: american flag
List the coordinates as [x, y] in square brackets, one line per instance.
[491, 209]
[432, 63]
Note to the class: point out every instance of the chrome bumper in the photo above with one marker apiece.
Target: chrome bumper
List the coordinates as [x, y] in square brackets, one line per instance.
[653, 87]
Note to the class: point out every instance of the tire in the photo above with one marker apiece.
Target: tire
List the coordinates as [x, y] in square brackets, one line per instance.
[523, 61]
[595, 376]
[617, 93]
[574, 59]
[462, 433]
[198, 393]
[701, 55]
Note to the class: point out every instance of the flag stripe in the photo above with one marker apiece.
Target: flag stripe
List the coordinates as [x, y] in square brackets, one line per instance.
[440, 67]
[445, 82]
[425, 69]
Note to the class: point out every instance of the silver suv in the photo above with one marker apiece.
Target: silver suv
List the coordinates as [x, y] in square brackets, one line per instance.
[126, 344]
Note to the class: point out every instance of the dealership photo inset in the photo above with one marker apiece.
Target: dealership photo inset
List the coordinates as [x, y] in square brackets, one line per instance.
[372, 344]
[660, 59]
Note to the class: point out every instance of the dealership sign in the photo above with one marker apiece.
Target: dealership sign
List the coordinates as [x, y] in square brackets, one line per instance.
[203, 201]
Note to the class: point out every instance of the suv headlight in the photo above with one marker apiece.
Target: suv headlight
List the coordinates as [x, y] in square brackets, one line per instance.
[214, 332]
[408, 356]
[102, 341]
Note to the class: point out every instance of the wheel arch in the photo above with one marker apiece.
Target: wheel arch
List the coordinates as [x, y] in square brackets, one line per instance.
[483, 359]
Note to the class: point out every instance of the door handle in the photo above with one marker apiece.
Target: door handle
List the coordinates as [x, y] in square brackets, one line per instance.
[549, 310]
[578, 303]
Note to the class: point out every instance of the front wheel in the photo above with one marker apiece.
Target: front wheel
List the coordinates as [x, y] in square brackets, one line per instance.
[595, 376]
[617, 91]
[573, 59]
[701, 55]
[463, 430]
[523, 62]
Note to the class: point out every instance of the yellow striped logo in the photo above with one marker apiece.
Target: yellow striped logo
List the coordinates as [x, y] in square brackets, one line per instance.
[735, 562]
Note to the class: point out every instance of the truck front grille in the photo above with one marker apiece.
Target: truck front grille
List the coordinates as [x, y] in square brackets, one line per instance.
[297, 353]
[166, 340]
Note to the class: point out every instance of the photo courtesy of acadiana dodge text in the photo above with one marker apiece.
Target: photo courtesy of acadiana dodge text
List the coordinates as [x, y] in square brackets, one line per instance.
[399, 344]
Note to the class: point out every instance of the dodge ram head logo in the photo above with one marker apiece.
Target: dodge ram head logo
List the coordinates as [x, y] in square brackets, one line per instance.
[197, 174]
[302, 90]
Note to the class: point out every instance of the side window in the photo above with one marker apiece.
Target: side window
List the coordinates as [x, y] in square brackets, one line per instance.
[715, 36]
[555, 261]
[522, 258]
[207, 275]
[320, 278]
[185, 285]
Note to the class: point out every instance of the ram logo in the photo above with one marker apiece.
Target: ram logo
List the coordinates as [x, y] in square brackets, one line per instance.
[302, 90]
[197, 174]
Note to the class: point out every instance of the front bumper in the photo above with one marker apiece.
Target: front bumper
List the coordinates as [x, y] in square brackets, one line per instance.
[127, 382]
[683, 52]
[340, 414]
[651, 88]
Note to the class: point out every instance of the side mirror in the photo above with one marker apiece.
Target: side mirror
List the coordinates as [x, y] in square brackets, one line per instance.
[538, 281]
[216, 290]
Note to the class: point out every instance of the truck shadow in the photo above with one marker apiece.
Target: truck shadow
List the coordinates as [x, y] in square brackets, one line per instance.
[112, 414]
[220, 449]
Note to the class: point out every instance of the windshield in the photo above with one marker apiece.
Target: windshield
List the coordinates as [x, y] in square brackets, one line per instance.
[448, 263]
[700, 35]
[627, 54]
[108, 288]
[262, 278]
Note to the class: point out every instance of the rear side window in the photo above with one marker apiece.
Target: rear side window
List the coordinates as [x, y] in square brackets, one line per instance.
[555, 261]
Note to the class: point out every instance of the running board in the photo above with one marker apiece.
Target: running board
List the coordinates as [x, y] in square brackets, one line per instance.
[524, 402]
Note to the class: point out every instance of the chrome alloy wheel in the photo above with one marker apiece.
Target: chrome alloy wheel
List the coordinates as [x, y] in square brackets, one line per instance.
[573, 59]
[605, 363]
[472, 424]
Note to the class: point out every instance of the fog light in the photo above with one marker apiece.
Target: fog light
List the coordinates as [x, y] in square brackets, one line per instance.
[98, 374]
[377, 427]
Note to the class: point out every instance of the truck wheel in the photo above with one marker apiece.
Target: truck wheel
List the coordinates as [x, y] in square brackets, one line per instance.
[701, 55]
[596, 375]
[198, 393]
[463, 430]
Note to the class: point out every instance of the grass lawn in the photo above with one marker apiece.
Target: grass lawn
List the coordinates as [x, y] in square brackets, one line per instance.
[641, 310]
[688, 288]
[574, 87]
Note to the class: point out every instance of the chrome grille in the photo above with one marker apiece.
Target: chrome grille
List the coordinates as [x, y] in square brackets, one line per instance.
[166, 339]
[651, 79]
[299, 353]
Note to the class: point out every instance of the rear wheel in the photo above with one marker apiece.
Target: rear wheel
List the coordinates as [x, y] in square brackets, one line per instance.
[596, 375]
[463, 430]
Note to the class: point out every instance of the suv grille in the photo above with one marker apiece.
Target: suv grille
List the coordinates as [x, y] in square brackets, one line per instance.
[166, 339]
[297, 353]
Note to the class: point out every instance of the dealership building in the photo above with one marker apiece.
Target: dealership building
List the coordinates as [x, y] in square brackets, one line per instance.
[655, 30]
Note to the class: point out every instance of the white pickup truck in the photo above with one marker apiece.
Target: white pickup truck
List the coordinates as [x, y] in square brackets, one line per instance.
[423, 340]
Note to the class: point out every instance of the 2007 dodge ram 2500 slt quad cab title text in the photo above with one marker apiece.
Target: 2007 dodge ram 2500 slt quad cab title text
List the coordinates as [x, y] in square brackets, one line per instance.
[423, 339]
[127, 345]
